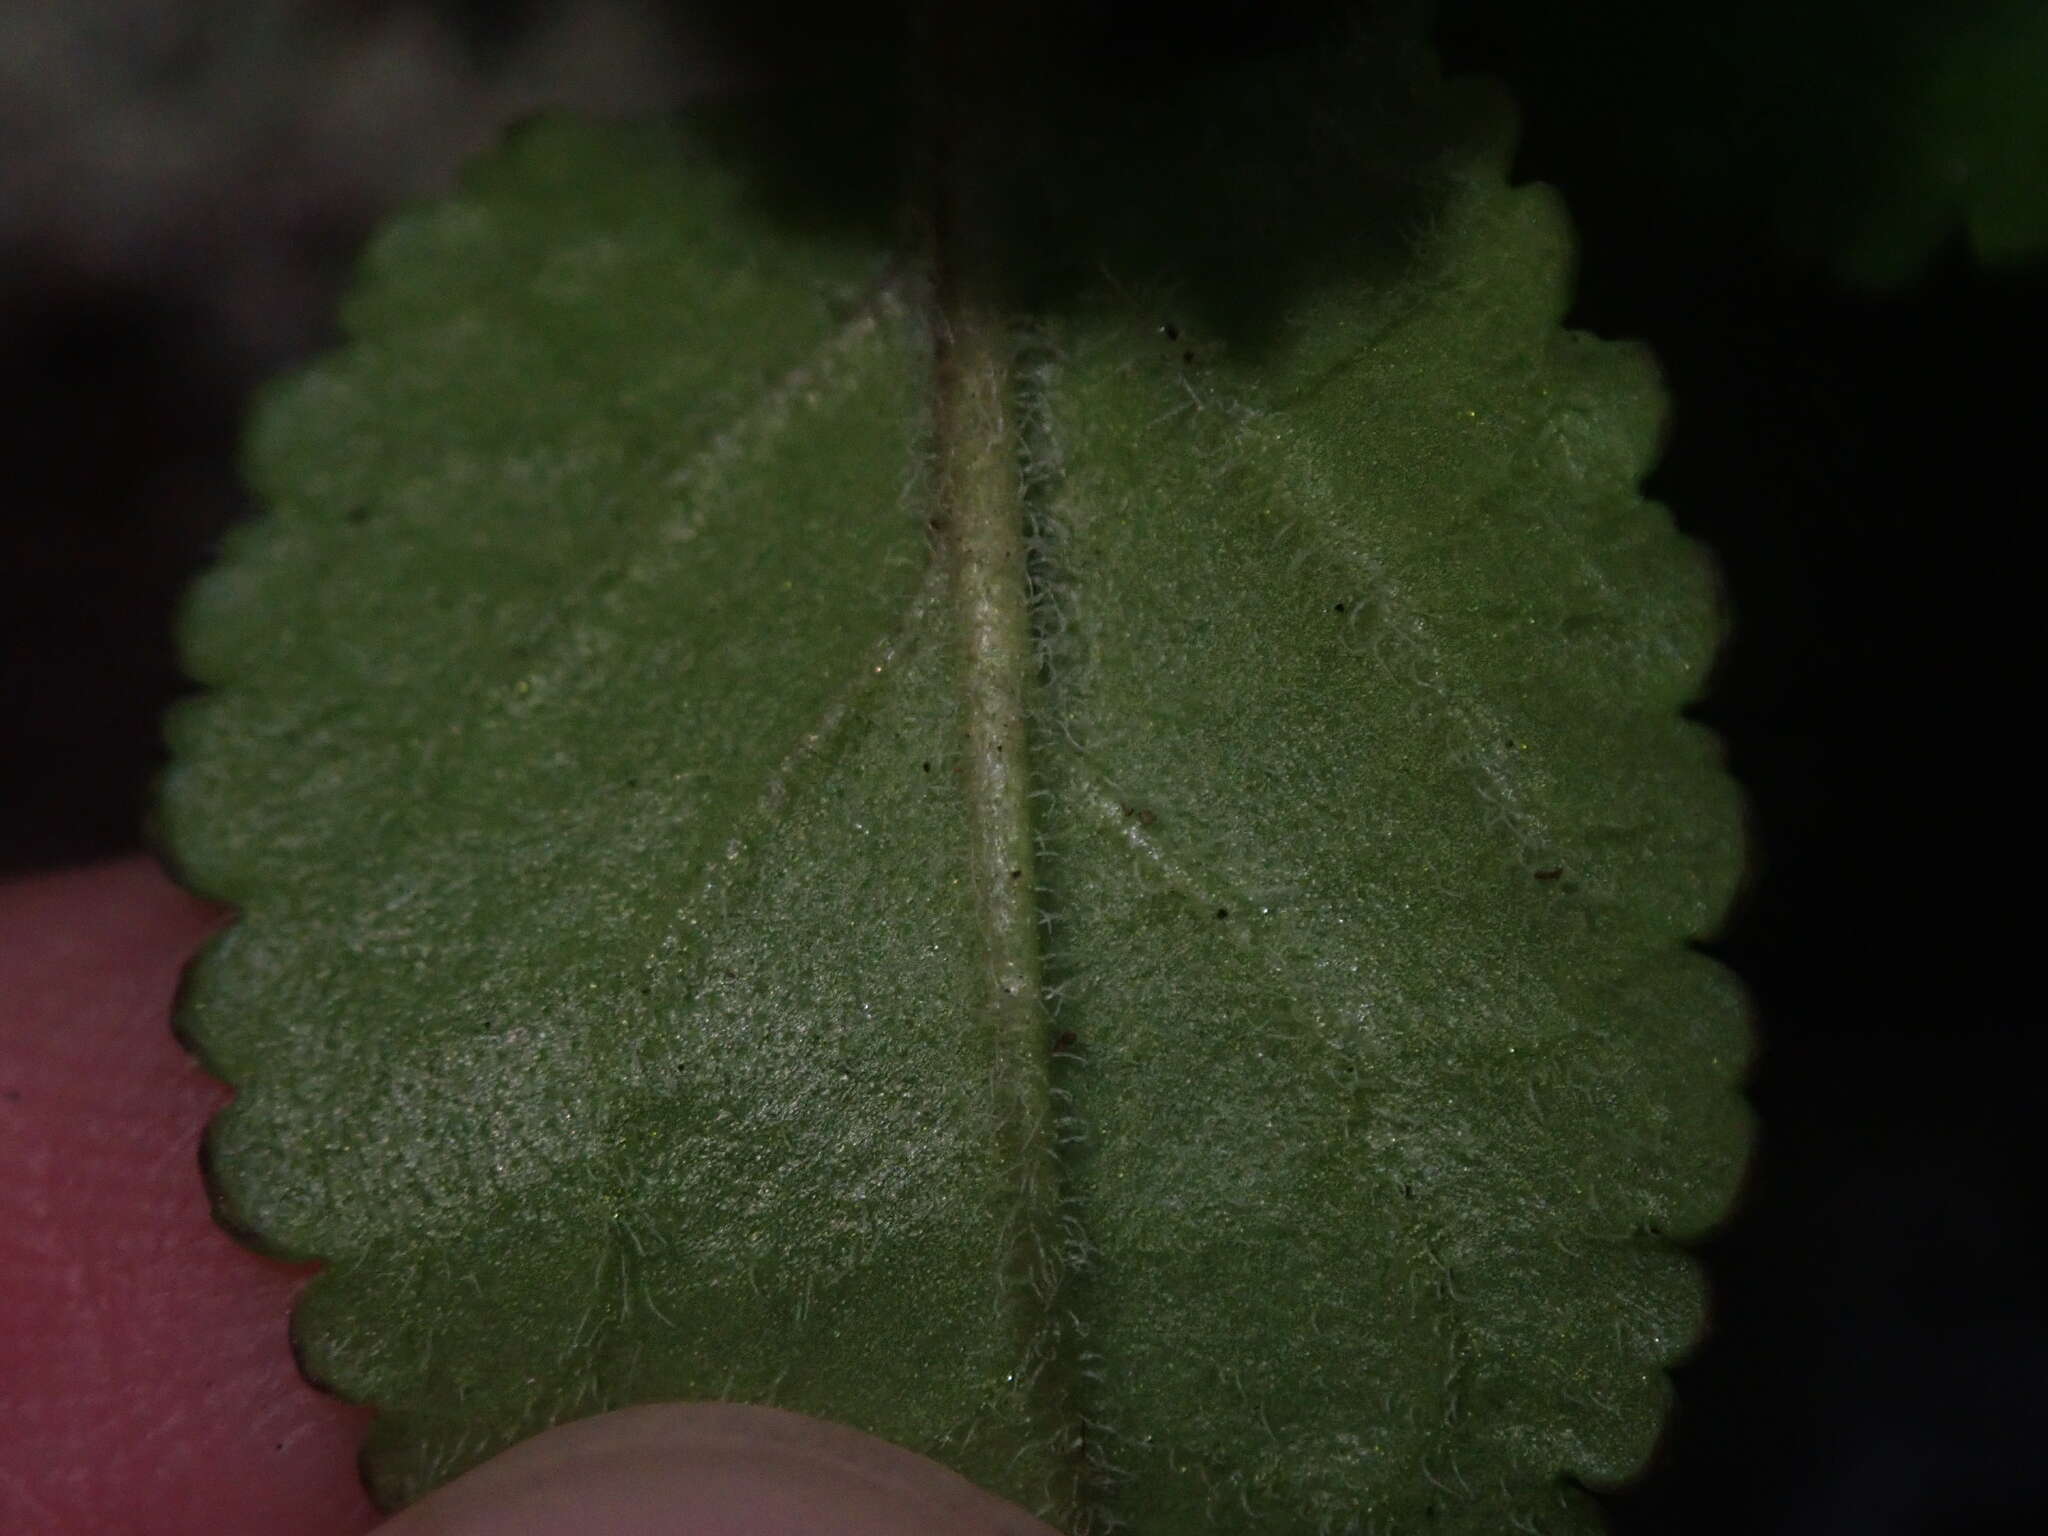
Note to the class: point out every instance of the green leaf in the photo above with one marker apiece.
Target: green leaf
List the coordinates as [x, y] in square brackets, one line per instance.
[1101, 896]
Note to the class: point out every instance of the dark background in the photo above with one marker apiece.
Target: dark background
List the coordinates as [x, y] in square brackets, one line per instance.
[182, 192]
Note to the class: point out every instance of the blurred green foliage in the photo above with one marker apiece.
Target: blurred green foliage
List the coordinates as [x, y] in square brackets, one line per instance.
[1858, 138]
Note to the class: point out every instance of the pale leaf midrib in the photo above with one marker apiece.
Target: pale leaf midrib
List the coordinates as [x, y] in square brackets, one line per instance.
[980, 519]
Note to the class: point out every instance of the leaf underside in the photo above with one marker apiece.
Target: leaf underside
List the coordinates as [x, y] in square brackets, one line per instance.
[586, 751]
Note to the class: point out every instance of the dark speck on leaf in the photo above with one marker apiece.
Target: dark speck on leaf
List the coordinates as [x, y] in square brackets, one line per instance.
[359, 514]
[1337, 607]
[1065, 1040]
[927, 767]
[1016, 874]
[1221, 913]
[1187, 357]
[1170, 331]
[1549, 874]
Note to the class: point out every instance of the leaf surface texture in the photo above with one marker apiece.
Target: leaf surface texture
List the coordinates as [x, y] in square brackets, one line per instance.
[588, 752]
